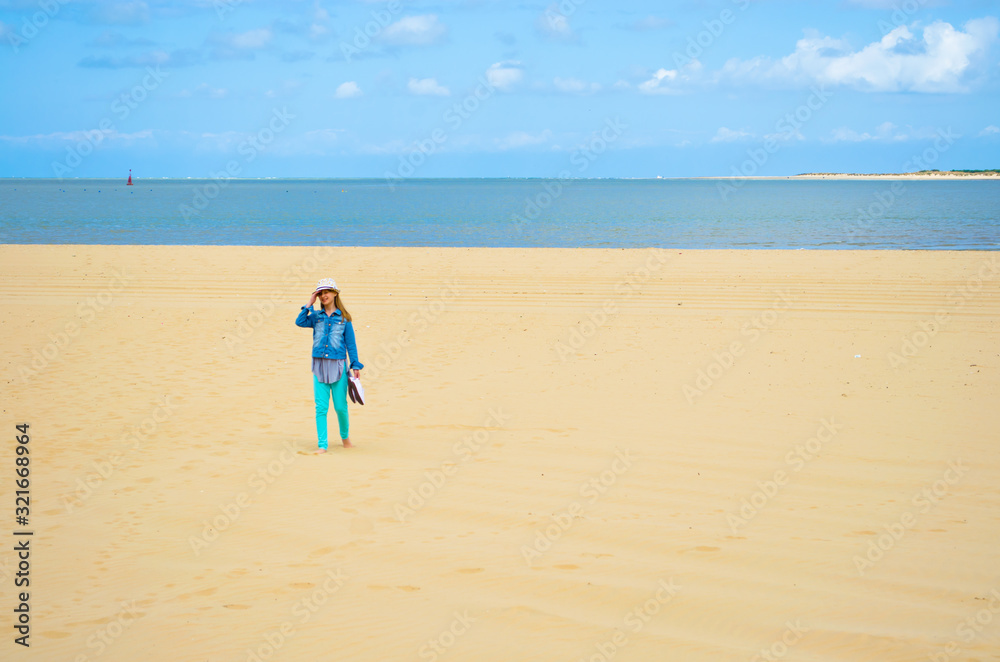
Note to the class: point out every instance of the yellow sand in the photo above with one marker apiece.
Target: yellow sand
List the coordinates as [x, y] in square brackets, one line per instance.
[909, 176]
[912, 176]
[566, 454]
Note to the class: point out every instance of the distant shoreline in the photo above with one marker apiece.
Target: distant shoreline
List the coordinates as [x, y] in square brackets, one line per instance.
[924, 174]
[832, 178]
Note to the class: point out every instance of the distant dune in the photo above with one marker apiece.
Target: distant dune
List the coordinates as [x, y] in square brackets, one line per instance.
[922, 174]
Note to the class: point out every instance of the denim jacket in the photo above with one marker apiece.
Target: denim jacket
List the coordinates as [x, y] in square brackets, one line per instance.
[333, 338]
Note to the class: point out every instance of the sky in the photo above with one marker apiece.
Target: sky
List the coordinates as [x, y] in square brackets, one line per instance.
[573, 88]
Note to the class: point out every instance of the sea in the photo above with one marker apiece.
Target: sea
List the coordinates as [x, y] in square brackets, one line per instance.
[587, 213]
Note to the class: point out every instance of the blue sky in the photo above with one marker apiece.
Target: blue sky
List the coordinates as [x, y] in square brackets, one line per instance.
[196, 88]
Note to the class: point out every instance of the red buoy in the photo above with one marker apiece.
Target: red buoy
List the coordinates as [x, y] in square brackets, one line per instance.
[129, 177]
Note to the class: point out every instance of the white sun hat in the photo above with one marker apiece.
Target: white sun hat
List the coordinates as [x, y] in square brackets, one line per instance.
[326, 284]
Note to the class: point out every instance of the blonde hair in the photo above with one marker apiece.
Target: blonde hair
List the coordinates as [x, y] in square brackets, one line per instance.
[340, 306]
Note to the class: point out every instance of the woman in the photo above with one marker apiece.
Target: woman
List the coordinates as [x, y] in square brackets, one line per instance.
[333, 340]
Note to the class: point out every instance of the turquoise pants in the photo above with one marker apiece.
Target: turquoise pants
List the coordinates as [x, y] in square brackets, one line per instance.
[323, 393]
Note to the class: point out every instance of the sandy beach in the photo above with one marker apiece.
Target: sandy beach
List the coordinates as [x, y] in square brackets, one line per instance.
[912, 176]
[566, 454]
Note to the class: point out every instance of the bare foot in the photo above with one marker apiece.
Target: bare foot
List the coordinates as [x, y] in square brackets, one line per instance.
[347, 443]
[320, 451]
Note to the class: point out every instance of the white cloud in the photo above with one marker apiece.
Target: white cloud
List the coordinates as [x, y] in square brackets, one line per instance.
[725, 135]
[940, 60]
[251, 39]
[844, 134]
[414, 31]
[991, 130]
[427, 87]
[884, 132]
[348, 90]
[95, 137]
[205, 90]
[554, 24]
[239, 45]
[317, 142]
[574, 86]
[504, 75]
[660, 82]
[519, 139]
[670, 81]
[320, 26]
[784, 136]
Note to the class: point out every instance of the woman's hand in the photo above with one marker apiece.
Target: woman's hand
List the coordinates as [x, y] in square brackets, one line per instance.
[312, 299]
[357, 373]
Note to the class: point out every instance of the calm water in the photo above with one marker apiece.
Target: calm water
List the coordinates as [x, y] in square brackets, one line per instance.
[506, 212]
